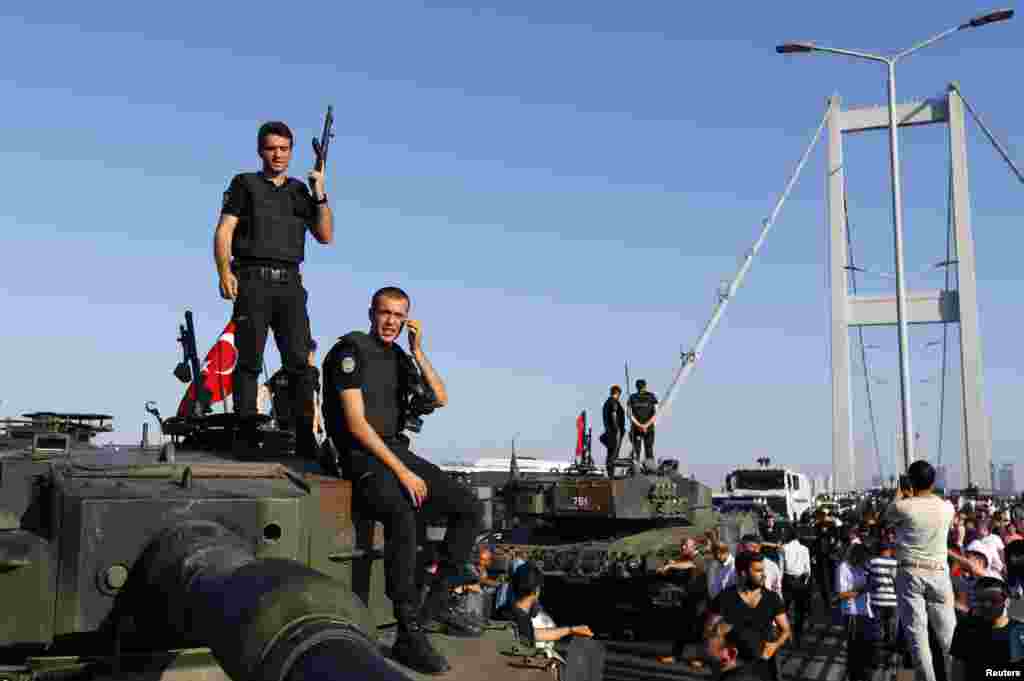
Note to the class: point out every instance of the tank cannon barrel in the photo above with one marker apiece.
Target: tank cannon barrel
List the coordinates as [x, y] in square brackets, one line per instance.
[265, 619]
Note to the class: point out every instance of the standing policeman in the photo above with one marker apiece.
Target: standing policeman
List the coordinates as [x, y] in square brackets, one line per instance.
[372, 391]
[614, 427]
[643, 405]
[258, 246]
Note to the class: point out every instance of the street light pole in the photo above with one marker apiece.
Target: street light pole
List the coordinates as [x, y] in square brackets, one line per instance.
[897, 197]
[901, 290]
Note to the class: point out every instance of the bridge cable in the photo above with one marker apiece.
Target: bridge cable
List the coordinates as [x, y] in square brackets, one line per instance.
[988, 133]
[860, 330]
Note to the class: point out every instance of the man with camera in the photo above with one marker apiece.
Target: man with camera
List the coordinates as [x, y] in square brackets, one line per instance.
[922, 521]
[372, 392]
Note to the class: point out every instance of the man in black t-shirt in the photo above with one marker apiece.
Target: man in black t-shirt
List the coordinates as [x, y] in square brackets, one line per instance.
[723, 649]
[989, 640]
[755, 615]
[259, 244]
[643, 406]
[367, 379]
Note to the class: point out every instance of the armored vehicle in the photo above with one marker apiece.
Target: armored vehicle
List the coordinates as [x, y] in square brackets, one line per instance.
[192, 558]
[601, 540]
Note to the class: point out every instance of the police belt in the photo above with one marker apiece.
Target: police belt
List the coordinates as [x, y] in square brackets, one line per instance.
[278, 275]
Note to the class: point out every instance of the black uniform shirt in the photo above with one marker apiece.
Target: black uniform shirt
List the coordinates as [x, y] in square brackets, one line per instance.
[614, 416]
[642, 405]
[359, 360]
[272, 220]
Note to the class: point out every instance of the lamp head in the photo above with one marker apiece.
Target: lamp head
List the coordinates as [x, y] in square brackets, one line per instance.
[793, 48]
[990, 18]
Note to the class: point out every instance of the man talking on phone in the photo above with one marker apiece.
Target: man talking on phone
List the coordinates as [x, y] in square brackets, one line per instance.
[368, 383]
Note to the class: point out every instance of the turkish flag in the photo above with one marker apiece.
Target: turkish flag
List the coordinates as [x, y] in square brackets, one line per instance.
[581, 433]
[217, 371]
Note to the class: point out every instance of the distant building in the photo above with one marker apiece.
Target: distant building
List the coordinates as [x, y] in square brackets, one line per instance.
[941, 473]
[1007, 483]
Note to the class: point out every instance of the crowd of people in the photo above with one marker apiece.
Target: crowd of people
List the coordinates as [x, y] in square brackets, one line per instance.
[915, 579]
[912, 581]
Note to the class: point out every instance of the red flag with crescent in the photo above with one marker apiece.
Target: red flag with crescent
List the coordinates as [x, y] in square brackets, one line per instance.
[217, 371]
[581, 433]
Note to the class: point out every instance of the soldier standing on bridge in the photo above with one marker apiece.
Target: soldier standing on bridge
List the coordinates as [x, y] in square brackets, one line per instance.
[643, 407]
[259, 244]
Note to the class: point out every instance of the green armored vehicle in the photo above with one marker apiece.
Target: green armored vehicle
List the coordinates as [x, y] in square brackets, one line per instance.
[193, 560]
[601, 540]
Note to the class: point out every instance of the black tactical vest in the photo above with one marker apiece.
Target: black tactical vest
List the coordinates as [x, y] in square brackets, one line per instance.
[273, 229]
[384, 386]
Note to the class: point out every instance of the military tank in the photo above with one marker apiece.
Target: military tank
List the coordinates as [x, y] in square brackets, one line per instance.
[601, 540]
[192, 558]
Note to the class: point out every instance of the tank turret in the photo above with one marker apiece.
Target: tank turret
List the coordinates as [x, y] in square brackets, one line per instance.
[601, 540]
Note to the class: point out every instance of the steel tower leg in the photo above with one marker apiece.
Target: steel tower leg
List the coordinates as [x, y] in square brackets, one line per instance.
[843, 468]
[977, 444]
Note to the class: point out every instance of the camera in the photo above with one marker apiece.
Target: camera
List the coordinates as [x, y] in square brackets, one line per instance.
[419, 399]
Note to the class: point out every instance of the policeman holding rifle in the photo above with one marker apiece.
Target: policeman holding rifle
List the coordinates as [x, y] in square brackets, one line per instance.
[259, 244]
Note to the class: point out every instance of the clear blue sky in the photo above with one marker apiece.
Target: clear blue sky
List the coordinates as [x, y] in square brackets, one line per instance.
[560, 186]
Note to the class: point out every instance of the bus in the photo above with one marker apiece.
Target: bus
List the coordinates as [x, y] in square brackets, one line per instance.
[785, 492]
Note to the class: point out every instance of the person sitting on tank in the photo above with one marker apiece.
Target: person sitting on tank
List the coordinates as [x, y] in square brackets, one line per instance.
[687, 573]
[479, 599]
[574, 646]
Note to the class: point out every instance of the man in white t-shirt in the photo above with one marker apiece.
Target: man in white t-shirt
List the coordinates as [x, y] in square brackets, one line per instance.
[922, 521]
[989, 544]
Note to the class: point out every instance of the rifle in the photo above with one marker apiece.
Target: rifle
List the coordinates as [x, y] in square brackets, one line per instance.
[320, 146]
[188, 370]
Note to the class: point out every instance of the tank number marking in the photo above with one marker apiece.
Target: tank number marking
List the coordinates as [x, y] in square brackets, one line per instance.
[581, 502]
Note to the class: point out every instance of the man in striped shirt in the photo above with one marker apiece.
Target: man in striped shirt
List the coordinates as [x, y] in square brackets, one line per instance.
[882, 591]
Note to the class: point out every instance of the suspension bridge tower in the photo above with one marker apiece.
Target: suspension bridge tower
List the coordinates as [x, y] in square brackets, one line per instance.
[959, 304]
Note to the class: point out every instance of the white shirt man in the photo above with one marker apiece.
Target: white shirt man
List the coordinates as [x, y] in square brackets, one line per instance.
[796, 558]
[922, 521]
[992, 546]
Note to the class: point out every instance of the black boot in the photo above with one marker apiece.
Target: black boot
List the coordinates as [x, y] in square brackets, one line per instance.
[412, 648]
[439, 612]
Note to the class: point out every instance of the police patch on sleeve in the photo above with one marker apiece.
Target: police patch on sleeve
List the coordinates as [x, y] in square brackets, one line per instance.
[348, 365]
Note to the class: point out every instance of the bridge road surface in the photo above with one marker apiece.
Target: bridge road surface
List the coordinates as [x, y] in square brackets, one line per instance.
[822, 657]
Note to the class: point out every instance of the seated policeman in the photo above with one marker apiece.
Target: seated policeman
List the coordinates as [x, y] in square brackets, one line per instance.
[367, 380]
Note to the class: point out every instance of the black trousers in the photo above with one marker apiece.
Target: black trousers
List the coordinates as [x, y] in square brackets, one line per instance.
[584, 658]
[384, 498]
[823, 571]
[645, 439]
[613, 440]
[797, 593]
[859, 648]
[281, 307]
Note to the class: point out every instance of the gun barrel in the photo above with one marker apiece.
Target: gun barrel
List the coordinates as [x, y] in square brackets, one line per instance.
[268, 619]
